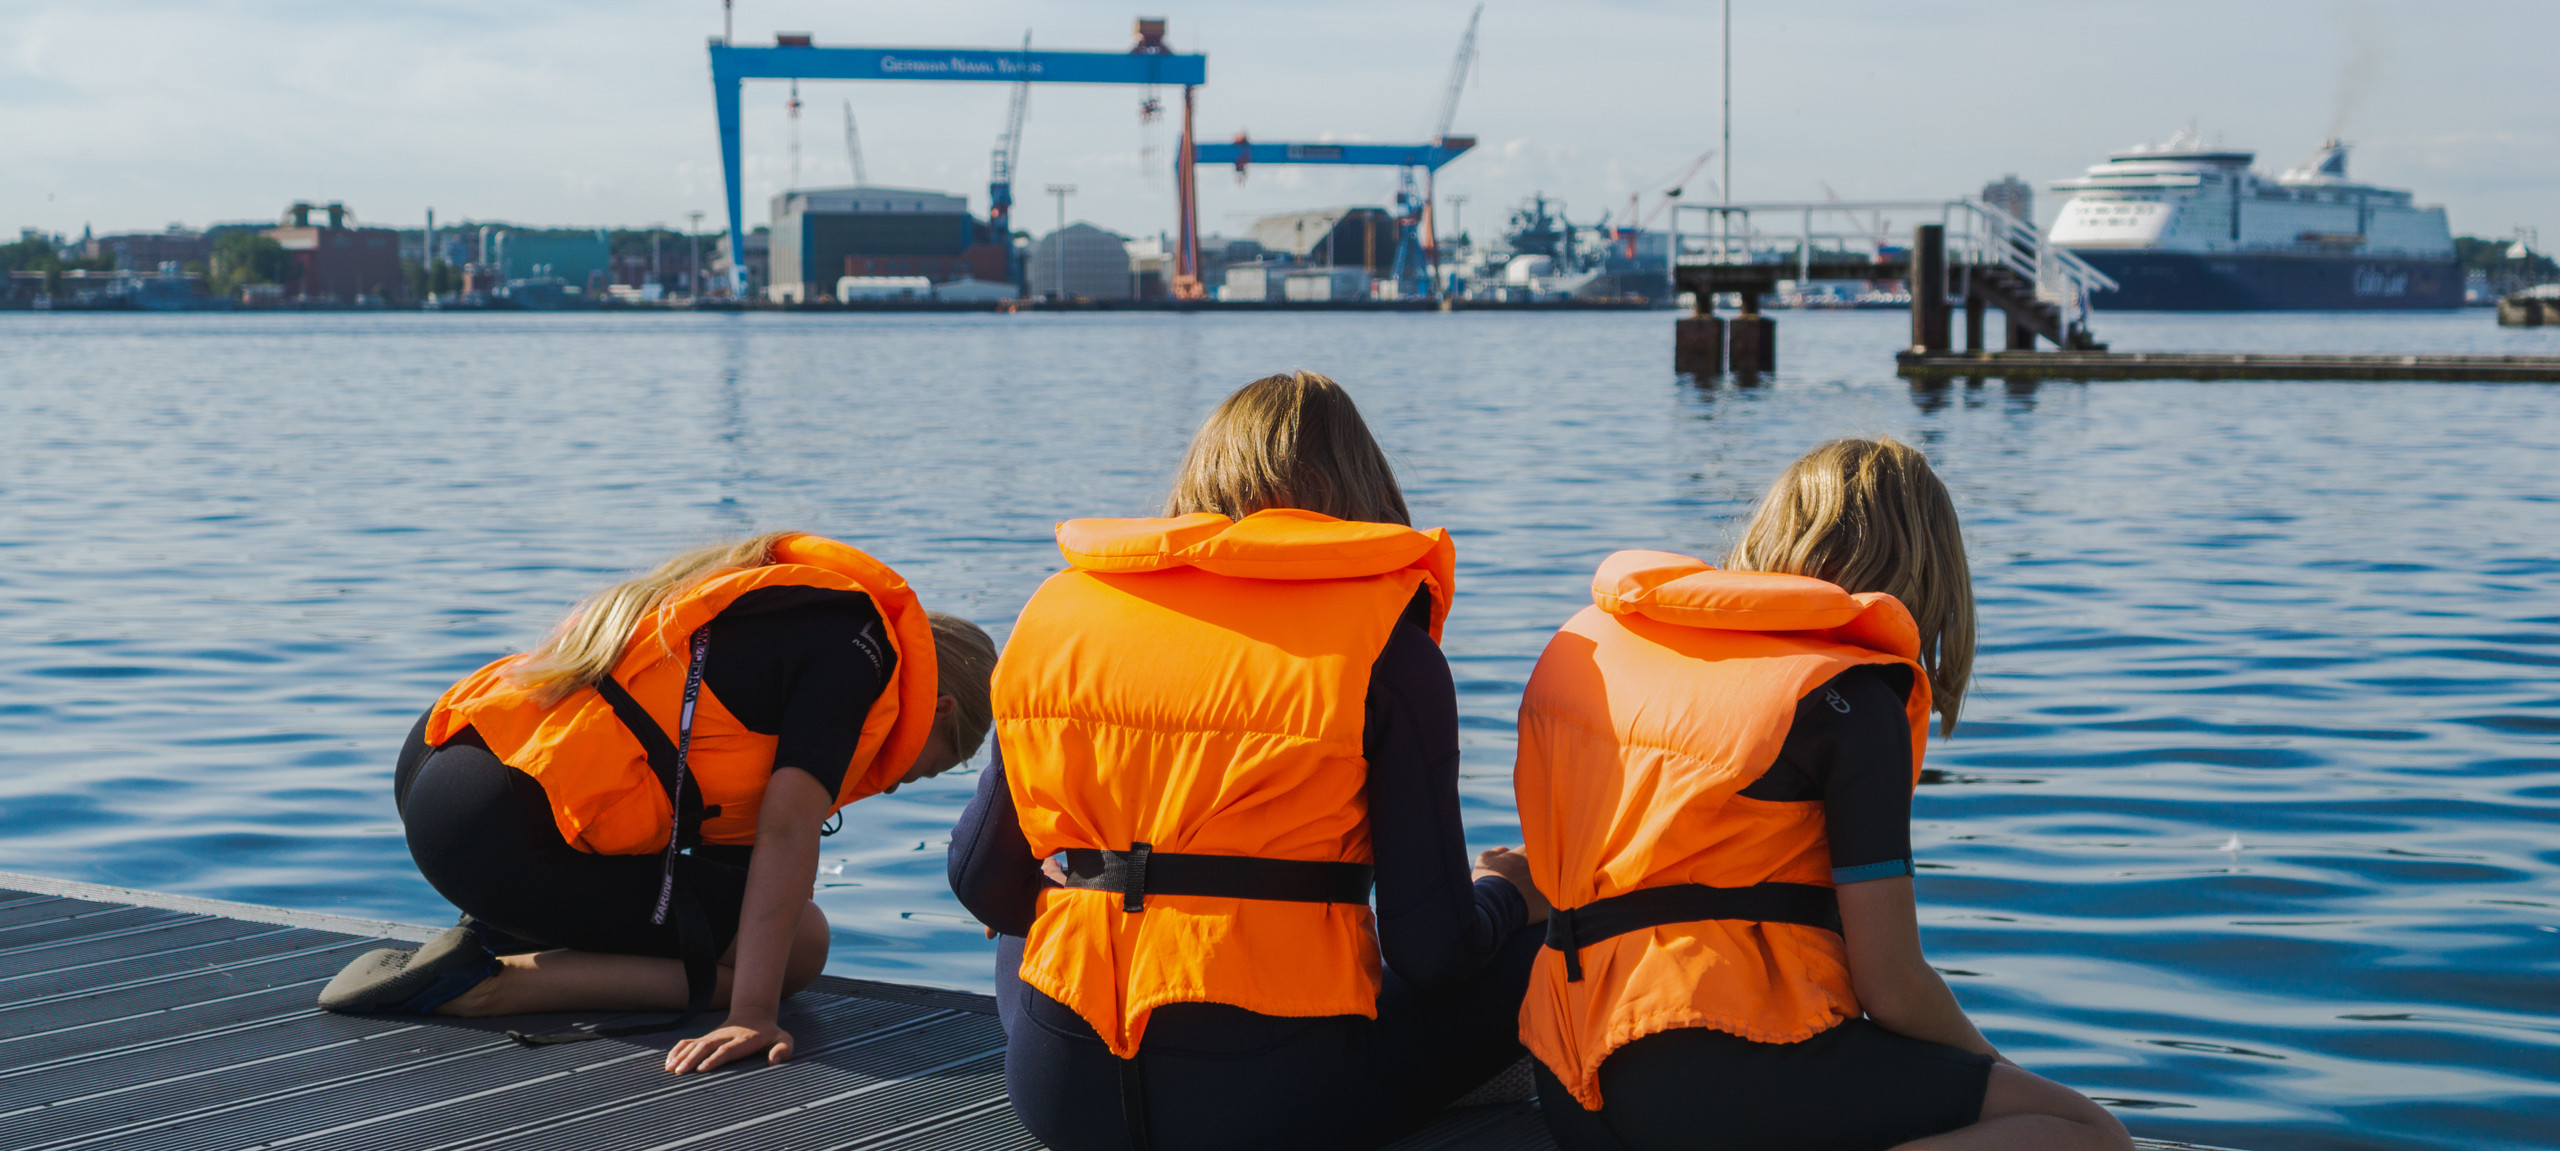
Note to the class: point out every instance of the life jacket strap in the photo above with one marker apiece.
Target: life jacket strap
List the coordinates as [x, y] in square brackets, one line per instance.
[684, 793]
[1142, 871]
[668, 761]
[1570, 929]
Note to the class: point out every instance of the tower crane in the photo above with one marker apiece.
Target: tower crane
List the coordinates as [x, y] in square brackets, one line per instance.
[853, 146]
[795, 133]
[1882, 228]
[1000, 171]
[1429, 229]
[1670, 196]
[1458, 67]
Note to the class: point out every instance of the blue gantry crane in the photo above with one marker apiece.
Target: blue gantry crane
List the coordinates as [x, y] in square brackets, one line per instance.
[1417, 266]
[1150, 63]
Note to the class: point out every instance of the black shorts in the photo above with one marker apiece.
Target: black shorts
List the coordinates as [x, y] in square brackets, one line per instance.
[1856, 1087]
[483, 835]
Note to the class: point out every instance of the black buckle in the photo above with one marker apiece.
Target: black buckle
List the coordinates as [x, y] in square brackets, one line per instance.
[1560, 935]
[1133, 897]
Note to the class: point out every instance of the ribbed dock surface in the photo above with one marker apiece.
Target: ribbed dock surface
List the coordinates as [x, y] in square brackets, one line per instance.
[2225, 366]
[137, 1021]
[134, 1021]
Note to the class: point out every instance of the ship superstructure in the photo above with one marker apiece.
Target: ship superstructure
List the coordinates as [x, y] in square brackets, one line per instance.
[2184, 227]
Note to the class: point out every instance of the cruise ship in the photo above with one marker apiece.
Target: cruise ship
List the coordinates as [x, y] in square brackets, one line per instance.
[2186, 228]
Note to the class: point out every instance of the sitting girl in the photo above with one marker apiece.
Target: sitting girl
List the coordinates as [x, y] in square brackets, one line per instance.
[1715, 780]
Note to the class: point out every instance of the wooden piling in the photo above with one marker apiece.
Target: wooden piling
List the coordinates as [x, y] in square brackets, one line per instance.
[1974, 306]
[1697, 343]
[1929, 288]
[1751, 339]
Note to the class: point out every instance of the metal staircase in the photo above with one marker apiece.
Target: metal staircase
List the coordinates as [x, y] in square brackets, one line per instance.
[2042, 289]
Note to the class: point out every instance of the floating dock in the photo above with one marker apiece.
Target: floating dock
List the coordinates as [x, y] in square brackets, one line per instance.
[134, 1020]
[131, 1020]
[2097, 365]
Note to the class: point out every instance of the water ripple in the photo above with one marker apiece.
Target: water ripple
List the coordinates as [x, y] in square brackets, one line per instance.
[2252, 828]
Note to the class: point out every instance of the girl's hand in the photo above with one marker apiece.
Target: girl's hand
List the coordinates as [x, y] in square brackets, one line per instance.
[732, 1041]
[1513, 867]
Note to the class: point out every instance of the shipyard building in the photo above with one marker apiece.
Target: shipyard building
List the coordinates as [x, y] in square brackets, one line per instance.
[147, 251]
[579, 258]
[1082, 262]
[338, 261]
[1325, 256]
[824, 235]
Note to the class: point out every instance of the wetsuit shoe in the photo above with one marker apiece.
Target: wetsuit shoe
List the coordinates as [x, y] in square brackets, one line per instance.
[414, 981]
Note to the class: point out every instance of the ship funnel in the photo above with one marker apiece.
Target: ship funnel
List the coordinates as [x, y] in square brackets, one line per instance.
[2329, 163]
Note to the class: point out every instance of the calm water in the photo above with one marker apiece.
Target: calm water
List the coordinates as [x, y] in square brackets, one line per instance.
[2251, 826]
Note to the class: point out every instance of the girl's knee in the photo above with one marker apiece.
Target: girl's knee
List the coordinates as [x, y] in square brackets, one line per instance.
[2015, 1091]
[808, 950]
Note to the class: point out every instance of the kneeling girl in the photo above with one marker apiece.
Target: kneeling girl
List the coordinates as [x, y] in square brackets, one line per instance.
[629, 814]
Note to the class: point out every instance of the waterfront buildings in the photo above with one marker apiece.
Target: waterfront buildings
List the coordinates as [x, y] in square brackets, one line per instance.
[147, 251]
[580, 258]
[1347, 237]
[336, 261]
[1081, 262]
[821, 235]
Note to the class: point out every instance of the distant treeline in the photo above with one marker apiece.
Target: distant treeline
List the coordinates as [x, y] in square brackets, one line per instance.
[2490, 256]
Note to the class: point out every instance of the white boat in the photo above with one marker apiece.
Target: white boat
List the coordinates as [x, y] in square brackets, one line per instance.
[2185, 227]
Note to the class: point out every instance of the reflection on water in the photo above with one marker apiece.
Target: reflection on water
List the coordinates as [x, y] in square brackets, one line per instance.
[2249, 828]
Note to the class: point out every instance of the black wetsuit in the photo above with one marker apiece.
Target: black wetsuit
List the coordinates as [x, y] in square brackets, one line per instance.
[483, 833]
[1214, 1075]
[1855, 1087]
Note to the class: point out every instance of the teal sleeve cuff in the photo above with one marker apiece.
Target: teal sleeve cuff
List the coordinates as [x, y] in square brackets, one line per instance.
[1866, 871]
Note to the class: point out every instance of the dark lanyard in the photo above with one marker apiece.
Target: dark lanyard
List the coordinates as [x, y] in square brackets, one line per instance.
[684, 751]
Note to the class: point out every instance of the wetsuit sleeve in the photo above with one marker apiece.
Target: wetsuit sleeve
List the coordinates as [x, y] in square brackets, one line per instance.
[1434, 926]
[1860, 750]
[803, 668]
[990, 863]
[822, 720]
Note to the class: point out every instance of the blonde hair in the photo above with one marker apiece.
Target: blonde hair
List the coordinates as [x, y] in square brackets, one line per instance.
[1293, 440]
[584, 648]
[964, 661]
[1870, 516]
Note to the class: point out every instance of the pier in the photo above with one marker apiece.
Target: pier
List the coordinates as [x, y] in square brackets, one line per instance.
[1965, 254]
[133, 1020]
[1976, 258]
[1920, 366]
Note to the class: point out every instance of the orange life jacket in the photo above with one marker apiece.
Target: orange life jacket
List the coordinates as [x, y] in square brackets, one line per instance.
[1646, 715]
[595, 770]
[1198, 685]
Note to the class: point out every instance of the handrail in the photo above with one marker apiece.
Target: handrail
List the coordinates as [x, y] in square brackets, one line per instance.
[1977, 233]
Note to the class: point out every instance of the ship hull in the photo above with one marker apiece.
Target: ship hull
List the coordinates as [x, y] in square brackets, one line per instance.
[2215, 282]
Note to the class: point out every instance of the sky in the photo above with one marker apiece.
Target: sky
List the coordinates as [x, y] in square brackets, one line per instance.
[124, 115]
